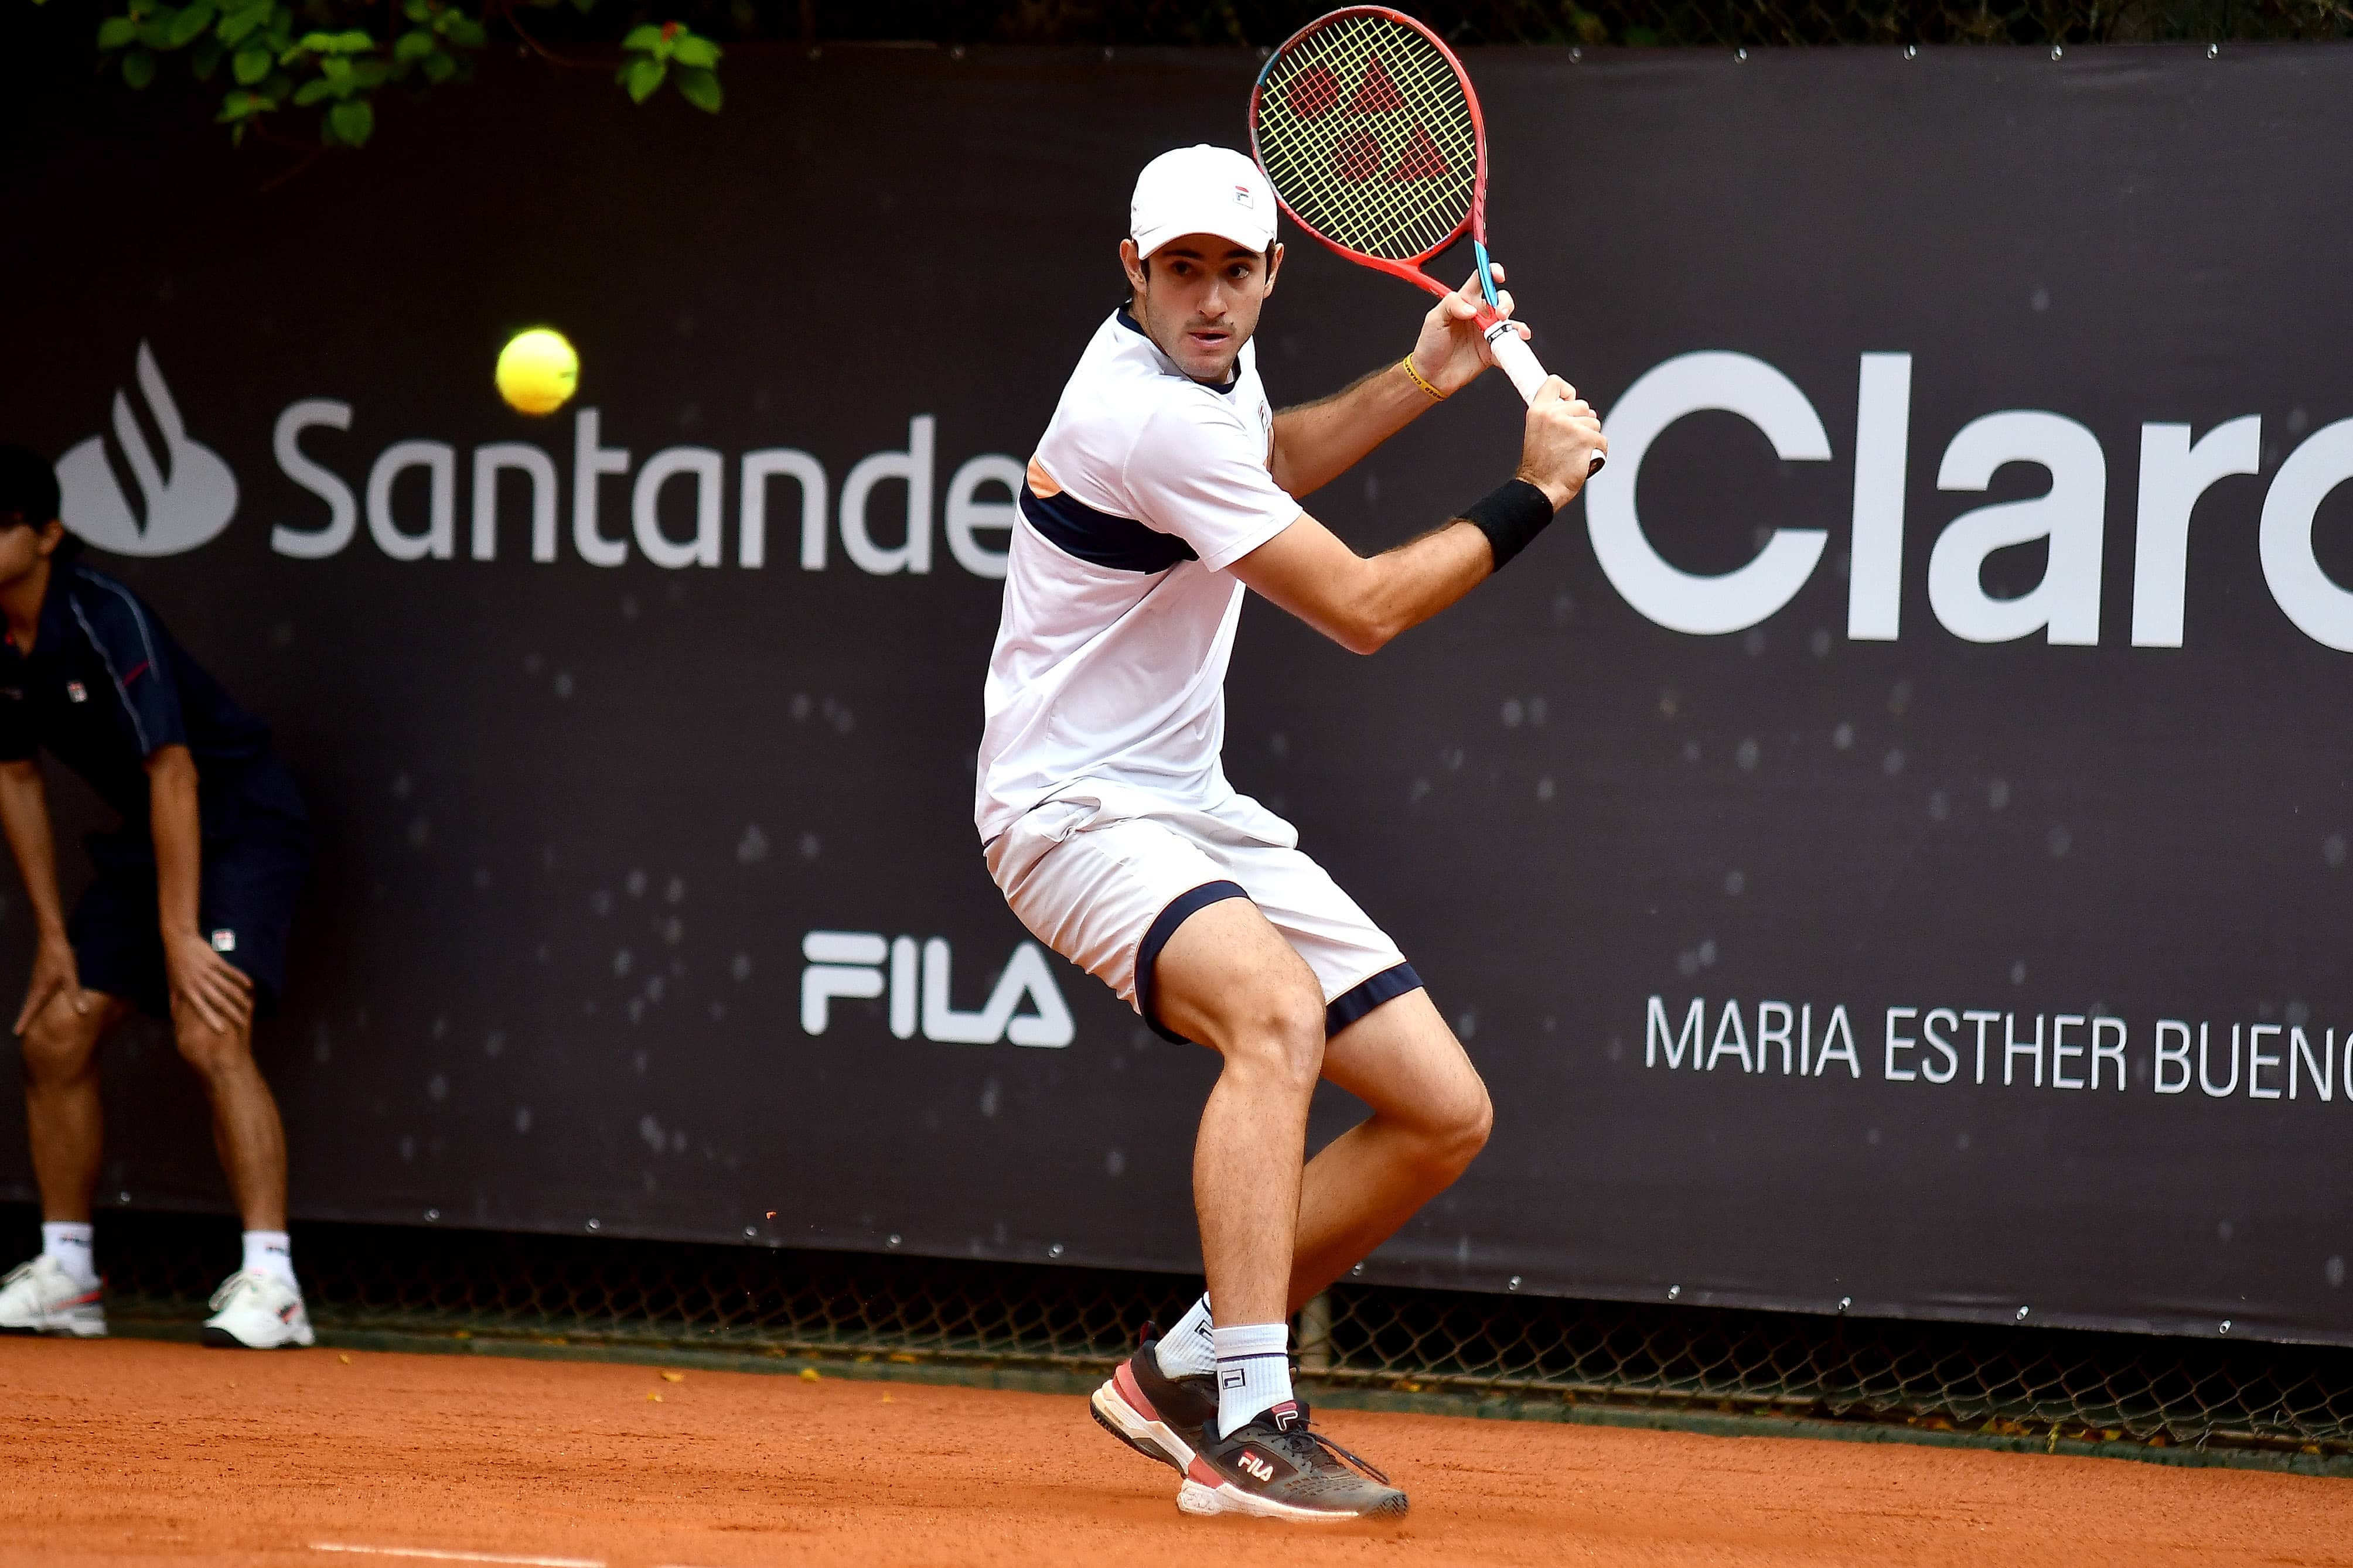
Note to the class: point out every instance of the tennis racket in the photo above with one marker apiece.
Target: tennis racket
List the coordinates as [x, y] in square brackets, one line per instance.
[1366, 127]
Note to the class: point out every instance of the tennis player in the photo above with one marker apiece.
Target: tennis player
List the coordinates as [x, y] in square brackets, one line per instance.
[1163, 486]
[187, 919]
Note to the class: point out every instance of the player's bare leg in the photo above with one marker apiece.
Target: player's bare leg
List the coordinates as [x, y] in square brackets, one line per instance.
[247, 1131]
[1227, 978]
[62, 1116]
[1431, 1118]
[58, 1291]
[261, 1306]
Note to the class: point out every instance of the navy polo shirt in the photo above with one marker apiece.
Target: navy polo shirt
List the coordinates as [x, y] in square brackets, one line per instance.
[106, 687]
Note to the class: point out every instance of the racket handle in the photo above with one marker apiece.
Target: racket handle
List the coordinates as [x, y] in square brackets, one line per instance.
[1518, 361]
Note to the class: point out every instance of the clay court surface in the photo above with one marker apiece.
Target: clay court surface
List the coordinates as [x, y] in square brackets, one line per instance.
[124, 1451]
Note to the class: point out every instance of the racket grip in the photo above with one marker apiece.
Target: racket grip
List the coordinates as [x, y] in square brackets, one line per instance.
[1518, 361]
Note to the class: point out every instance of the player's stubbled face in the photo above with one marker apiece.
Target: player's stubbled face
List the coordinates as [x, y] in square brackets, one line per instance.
[1200, 298]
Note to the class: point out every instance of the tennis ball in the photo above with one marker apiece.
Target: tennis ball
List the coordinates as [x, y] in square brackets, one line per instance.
[538, 371]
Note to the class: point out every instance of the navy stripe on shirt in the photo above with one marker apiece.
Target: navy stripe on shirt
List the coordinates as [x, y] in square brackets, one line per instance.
[1099, 539]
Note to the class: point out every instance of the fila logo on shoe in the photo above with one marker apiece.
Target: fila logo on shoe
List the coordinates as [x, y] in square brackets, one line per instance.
[1257, 1467]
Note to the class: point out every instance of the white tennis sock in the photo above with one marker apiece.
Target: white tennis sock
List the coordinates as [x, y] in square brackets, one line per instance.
[1253, 1371]
[271, 1252]
[68, 1244]
[1187, 1349]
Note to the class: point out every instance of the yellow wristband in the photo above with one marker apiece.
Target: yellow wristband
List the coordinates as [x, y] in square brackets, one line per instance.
[1435, 395]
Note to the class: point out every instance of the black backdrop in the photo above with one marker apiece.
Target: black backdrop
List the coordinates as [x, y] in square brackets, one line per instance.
[578, 820]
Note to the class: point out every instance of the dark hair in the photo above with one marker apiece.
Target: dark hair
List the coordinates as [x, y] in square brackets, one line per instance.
[28, 487]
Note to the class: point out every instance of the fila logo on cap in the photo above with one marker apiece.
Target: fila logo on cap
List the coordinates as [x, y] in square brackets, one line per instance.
[1242, 197]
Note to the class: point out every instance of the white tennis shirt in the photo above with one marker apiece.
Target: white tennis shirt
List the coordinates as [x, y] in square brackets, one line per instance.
[1110, 666]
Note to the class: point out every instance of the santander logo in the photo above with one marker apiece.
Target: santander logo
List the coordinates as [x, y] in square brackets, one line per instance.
[184, 499]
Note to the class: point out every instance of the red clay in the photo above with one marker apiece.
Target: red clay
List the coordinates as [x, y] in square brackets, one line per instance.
[122, 1452]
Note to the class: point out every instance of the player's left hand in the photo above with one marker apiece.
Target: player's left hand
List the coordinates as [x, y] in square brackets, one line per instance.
[1452, 350]
[204, 982]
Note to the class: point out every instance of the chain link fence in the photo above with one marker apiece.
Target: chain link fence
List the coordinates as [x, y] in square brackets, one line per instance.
[1723, 24]
[1517, 1355]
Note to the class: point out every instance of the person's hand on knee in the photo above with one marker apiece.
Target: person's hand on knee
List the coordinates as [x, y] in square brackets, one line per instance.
[55, 976]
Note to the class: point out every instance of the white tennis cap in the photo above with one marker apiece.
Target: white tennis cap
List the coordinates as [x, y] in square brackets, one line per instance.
[1201, 190]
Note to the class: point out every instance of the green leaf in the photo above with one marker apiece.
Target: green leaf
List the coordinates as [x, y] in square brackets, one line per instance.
[369, 75]
[189, 25]
[206, 58]
[461, 30]
[699, 88]
[415, 46]
[352, 122]
[250, 66]
[439, 68]
[116, 31]
[238, 106]
[237, 25]
[138, 68]
[641, 76]
[311, 92]
[693, 50]
[416, 11]
[645, 36]
[353, 42]
[336, 70]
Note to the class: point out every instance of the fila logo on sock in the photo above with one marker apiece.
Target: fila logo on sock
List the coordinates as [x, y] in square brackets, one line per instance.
[1232, 1377]
[1256, 1466]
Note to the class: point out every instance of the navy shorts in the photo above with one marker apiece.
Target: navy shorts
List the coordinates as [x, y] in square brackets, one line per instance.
[257, 856]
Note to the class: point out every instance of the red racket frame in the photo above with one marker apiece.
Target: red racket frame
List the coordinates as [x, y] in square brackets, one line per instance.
[1473, 223]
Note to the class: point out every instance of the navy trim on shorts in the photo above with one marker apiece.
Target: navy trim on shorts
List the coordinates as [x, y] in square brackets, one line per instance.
[1180, 908]
[1363, 998]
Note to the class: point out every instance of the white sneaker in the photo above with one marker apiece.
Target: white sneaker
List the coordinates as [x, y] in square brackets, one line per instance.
[41, 1298]
[257, 1311]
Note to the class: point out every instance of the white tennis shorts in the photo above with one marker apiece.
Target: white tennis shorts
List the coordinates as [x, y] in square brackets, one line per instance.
[1105, 877]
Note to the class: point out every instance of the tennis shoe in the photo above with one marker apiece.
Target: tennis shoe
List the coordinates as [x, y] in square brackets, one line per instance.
[257, 1311]
[43, 1297]
[1274, 1465]
[1161, 1417]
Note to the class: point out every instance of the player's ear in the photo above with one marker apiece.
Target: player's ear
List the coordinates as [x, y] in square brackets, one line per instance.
[1273, 264]
[1138, 275]
[52, 533]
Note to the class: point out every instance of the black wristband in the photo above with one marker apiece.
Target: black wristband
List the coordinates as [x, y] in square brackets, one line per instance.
[1510, 515]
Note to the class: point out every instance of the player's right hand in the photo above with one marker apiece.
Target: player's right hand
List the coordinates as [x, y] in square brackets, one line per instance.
[55, 973]
[1564, 436]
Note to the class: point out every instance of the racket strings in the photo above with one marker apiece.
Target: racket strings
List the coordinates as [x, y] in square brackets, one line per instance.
[1365, 132]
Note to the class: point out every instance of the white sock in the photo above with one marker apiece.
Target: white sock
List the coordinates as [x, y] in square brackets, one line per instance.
[271, 1252]
[1187, 1349]
[1253, 1371]
[66, 1243]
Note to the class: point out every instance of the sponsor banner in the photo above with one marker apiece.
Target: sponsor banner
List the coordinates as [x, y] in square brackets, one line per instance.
[1885, 849]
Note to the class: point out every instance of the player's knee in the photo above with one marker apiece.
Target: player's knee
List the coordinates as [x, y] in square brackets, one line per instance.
[1281, 1036]
[1457, 1130]
[208, 1050]
[57, 1045]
